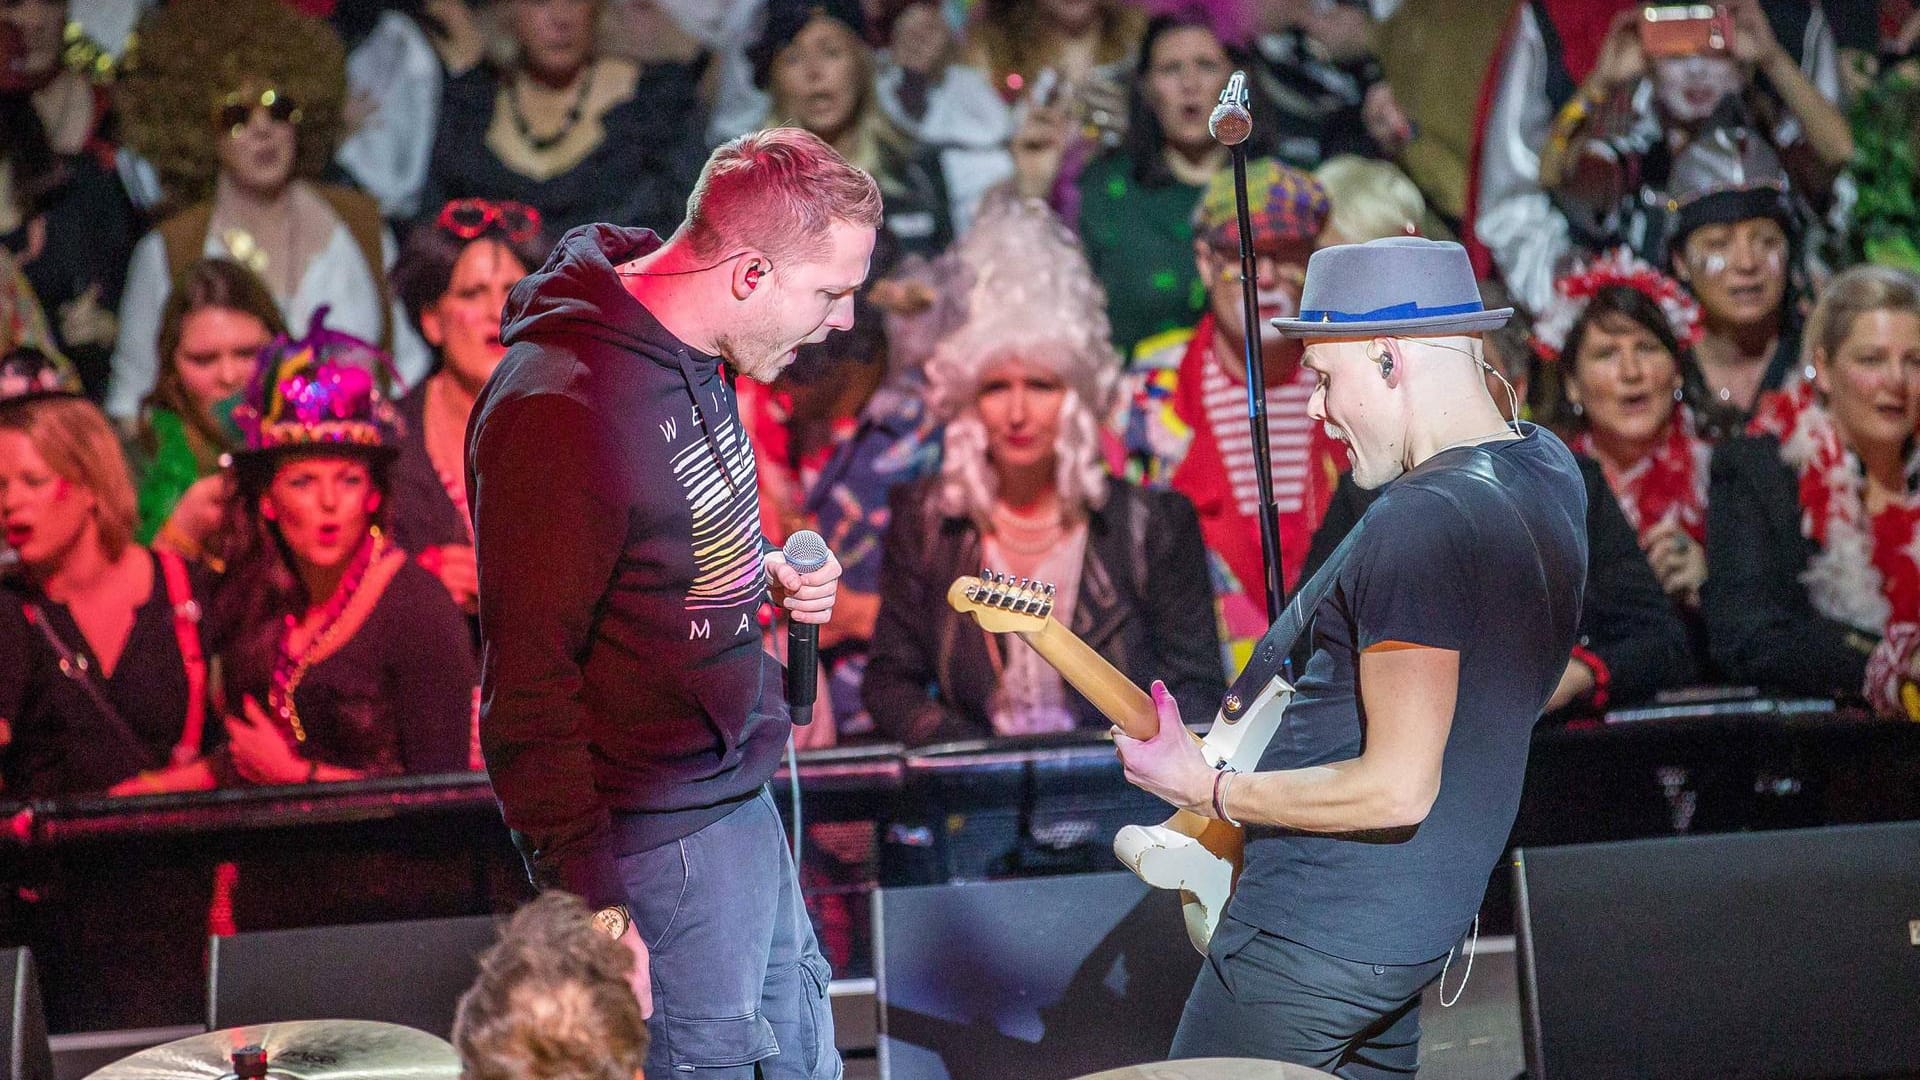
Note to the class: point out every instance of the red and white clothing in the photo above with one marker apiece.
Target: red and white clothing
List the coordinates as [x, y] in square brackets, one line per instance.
[1187, 429]
[1668, 484]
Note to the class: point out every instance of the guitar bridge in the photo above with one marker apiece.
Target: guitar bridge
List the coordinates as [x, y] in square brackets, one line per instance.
[1023, 596]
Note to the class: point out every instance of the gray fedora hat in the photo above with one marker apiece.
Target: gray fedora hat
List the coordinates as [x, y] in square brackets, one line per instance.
[1402, 286]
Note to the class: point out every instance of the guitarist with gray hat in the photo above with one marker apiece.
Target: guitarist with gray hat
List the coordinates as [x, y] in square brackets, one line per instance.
[1385, 799]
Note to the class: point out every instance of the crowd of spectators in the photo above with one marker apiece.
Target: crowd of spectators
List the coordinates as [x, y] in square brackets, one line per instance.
[253, 255]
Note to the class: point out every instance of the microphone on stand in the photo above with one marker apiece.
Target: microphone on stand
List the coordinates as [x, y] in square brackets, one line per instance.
[1231, 123]
[805, 552]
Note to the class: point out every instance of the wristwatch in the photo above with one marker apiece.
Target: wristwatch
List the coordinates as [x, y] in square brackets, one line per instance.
[613, 921]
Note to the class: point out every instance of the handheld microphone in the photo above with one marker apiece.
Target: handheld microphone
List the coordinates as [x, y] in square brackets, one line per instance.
[805, 552]
[1231, 123]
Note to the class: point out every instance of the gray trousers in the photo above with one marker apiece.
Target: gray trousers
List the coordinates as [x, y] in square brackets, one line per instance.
[739, 985]
[1263, 996]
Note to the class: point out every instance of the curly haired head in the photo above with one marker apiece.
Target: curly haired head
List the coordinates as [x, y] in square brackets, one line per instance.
[1030, 296]
[552, 1001]
[190, 54]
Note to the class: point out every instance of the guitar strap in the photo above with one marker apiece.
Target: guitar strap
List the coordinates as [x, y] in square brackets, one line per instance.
[1271, 653]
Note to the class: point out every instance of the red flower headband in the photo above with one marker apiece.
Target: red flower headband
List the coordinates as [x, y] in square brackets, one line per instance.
[1573, 291]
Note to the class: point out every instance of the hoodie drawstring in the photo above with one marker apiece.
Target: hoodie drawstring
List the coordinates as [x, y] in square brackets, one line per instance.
[706, 425]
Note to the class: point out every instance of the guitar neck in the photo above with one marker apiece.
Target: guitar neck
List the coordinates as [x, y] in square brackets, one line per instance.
[1098, 681]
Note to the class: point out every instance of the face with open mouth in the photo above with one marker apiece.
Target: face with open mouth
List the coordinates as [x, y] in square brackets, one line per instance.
[464, 323]
[1185, 74]
[817, 78]
[1738, 271]
[1624, 379]
[43, 514]
[1689, 88]
[322, 505]
[1872, 380]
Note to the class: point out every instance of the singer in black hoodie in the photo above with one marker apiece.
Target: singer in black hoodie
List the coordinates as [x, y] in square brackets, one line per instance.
[629, 716]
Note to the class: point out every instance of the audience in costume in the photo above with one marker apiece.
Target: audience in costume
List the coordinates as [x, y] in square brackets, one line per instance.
[1136, 201]
[1611, 156]
[239, 104]
[1186, 424]
[217, 319]
[109, 682]
[342, 657]
[577, 135]
[64, 216]
[817, 66]
[1812, 586]
[1022, 385]
[453, 276]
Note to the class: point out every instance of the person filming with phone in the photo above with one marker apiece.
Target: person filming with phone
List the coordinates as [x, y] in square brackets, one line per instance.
[1673, 76]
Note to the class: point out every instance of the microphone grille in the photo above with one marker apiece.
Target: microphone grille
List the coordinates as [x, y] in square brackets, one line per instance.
[805, 551]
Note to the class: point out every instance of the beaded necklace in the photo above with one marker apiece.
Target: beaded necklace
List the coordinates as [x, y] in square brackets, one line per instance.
[289, 669]
[543, 143]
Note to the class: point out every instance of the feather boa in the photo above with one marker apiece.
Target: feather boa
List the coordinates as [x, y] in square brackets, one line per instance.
[1670, 482]
[1867, 570]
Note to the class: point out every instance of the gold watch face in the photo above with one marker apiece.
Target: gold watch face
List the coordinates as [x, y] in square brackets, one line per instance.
[612, 921]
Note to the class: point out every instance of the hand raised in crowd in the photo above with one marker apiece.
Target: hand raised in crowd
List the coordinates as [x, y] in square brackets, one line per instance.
[84, 321]
[1622, 61]
[454, 565]
[1386, 121]
[197, 516]
[1038, 145]
[1753, 40]
[1678, 560]
[260, 753]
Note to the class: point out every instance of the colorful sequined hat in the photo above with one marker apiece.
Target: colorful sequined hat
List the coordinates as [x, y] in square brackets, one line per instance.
[27, 374]
[1284, 205]
[320, 392]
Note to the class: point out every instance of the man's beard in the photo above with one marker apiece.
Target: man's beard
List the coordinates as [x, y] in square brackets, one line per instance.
[754, 351]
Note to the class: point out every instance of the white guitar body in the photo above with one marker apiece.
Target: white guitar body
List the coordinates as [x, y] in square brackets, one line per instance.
[1169, 857]
[1199, 856]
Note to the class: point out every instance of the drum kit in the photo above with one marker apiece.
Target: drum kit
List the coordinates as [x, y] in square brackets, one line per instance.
[364, 1050]
[295, 1050]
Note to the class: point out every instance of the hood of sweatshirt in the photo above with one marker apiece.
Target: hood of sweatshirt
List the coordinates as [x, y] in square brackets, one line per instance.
[579, 299]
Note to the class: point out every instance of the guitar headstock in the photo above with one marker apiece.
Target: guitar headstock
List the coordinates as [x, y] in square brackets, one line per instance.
[1003, 604]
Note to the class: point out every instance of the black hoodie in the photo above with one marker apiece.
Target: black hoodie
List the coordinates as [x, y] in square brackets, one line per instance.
[626, 701]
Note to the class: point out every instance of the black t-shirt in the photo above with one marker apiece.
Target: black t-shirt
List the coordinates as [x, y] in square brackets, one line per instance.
[1479, 550]
[62, 744]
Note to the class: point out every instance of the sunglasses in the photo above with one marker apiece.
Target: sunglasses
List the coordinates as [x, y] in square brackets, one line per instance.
[236, 109]
[470, 219]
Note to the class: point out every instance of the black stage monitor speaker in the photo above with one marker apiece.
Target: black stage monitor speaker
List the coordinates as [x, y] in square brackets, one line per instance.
[24, 1052]
[410, 973]
[1035, 978]
[1752, 955]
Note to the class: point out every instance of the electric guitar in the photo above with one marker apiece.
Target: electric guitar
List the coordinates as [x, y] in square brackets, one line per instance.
[1197, 855]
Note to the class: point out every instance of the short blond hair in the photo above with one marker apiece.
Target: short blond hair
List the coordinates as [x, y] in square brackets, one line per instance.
[1369, 199]
[78, 444]
[777, 191]
[1860, 290]
[552, 1001]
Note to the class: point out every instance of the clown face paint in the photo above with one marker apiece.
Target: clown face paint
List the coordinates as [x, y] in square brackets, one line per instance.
[1689, 88]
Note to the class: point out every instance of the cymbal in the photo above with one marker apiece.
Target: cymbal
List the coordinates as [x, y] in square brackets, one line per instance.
[298, 1050]
[1213, 1069]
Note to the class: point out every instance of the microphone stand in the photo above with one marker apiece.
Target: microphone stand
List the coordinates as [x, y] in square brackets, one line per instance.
[1231, 124]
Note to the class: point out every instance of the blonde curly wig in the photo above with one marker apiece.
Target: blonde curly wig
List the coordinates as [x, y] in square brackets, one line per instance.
[1029, 295]
[189, 54]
